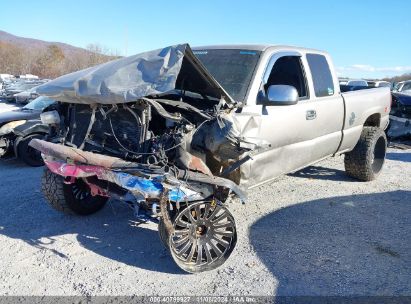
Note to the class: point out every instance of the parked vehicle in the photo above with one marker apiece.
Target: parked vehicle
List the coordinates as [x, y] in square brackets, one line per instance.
[379, 84]
[357, 83]
[176, 134]
[25, 96]
[349, 88]
[18, 87]
[19, 127]
[353, 85]
[403, 87]
[400, 116]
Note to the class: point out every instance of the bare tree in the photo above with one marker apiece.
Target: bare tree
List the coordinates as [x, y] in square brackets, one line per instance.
[52, 61]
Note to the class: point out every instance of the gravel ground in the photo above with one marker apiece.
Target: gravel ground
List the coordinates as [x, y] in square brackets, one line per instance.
[315, 232]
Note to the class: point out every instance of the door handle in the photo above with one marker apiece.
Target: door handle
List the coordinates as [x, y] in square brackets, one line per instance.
[310, 115]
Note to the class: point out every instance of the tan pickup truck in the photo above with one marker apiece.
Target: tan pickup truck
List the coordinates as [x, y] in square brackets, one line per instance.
[176, 133]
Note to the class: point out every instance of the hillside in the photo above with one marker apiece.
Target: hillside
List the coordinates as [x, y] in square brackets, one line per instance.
[23, 42]
[20, 55]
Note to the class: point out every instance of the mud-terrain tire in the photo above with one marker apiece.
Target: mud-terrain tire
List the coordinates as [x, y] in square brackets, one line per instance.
[27, 154]
[70, 198]
[366, 160]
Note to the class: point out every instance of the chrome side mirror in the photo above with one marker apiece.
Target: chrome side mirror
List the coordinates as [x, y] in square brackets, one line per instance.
[281, 95]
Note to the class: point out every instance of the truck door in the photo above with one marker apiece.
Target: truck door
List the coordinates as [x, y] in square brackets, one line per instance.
[326, 108]
[294, 131]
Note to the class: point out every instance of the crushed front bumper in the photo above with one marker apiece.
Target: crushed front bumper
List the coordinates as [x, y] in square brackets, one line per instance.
[142, 181]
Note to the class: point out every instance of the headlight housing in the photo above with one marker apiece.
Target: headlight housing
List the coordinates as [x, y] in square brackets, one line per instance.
[9, 127]
[50, 118]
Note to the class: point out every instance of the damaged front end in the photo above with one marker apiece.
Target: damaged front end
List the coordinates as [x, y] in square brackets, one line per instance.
[153, 130]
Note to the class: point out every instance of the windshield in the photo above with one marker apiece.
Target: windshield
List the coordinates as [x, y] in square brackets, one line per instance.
[233, 69]
[406, 87]
[39, 103]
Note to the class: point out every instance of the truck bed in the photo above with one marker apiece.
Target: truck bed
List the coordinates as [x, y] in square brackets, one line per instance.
[360, 105]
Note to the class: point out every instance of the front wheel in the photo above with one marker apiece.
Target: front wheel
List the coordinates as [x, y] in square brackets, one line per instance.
[74, 198]
[204, 237]
[366, 160]
[26, 153]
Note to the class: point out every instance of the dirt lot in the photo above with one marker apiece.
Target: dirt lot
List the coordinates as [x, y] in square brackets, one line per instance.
[315, 232]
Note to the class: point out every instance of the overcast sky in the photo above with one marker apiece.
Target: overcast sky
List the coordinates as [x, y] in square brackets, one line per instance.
[365, 38]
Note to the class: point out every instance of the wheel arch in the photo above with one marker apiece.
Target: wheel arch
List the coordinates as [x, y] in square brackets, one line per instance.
[22, 137]
[374, 120]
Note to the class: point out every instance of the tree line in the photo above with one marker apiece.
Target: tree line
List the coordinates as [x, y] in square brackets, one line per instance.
[52, 61]
[402, 77]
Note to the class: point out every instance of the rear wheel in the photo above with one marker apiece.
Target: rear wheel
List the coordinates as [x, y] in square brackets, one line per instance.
[27, 154]
[365, 162]
[204, 237]
[72, 198]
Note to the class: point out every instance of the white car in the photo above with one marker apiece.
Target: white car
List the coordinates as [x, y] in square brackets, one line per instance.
[379, 84]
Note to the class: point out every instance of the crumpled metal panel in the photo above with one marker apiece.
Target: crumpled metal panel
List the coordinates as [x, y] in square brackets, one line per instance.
[77, 155]
[240, 130]
[131, 78]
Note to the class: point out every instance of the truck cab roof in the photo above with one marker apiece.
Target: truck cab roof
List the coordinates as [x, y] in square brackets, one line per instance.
[259, 47]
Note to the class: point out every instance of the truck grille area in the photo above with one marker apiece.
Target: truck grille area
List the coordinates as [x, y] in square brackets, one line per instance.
[116, 132]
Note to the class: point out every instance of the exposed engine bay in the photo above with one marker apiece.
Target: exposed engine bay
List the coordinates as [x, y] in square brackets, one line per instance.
[160, 132]
[162, 136]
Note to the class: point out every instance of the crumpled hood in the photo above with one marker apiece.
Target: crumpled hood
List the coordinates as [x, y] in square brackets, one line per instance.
[130, 78]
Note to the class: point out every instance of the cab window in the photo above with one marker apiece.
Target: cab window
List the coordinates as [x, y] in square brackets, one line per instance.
[321, 74]
[288, 70]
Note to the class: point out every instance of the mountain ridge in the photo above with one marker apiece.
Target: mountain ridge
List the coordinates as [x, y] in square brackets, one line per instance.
[34, 43]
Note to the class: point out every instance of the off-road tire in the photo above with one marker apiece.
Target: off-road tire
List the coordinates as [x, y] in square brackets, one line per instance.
[366, 160]
[61, 197]
[27, 154]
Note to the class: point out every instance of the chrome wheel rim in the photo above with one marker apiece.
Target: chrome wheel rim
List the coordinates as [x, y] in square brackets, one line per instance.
[204, 237]
[80, 190]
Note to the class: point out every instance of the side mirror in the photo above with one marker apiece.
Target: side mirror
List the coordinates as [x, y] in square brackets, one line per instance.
[281, 95]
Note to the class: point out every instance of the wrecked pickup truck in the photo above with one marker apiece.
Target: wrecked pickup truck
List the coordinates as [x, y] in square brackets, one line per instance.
[178, 133]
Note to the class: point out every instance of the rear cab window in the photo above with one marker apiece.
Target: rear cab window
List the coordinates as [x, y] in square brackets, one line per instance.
[321, 75]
